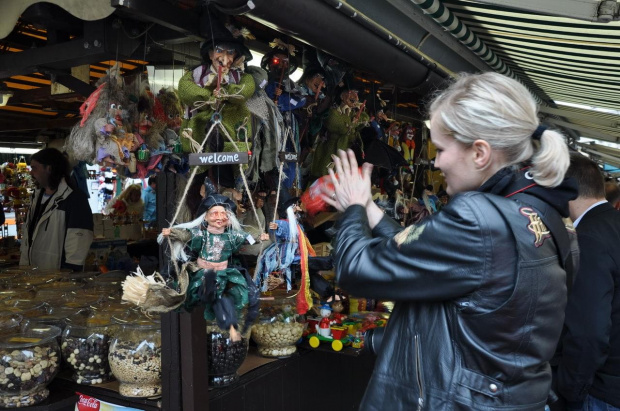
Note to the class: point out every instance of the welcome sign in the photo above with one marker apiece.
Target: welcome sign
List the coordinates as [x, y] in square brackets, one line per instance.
[212, 159]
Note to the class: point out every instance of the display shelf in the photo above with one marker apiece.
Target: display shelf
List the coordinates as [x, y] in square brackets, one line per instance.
[103, 392]
[305, 381]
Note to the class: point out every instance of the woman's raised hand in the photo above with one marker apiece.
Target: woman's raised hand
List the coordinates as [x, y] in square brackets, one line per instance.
[351, 186]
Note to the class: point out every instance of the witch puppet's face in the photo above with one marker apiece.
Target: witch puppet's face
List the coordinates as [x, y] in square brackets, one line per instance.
[315, 83]
[217, 217]
[223, 56]
[350, 97]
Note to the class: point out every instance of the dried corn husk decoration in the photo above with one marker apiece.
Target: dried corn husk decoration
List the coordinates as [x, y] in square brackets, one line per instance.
[151, 293]
[290, 48]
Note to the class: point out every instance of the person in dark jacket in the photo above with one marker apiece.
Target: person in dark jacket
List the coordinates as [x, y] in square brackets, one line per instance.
[589, 368]
[58, 230]
[480, 287]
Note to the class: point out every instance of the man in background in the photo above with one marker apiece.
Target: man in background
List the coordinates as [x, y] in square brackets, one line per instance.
[612, 194]
[589, 368]
[149, 198]
[58, 230]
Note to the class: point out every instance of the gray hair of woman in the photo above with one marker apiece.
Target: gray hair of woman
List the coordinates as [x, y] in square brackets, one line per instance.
[501, 111]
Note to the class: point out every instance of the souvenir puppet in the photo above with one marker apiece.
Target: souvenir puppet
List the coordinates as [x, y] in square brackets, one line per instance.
[215, 94]
[225, 290]
[343, 126]
[218, 85]
[313, 114]
[280, 63]
[290, 249]
[407, 144]
[268, 126]
[96, 113]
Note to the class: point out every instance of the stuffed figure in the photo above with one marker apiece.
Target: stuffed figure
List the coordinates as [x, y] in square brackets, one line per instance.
[407, 144]
[280, 63]
[343, 126]
[290, 249]
[213, 238]
[268, 126]
[219, 85]
[215, 93]
[88, 138]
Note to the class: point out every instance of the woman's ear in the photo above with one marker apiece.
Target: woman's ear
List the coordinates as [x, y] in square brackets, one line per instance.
[482, 153]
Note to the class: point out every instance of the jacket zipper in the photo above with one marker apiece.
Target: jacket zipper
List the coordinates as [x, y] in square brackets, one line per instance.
[418, 364]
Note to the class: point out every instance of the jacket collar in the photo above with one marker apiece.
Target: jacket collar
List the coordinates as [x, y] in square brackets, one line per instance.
[61, 193]
[513, 180]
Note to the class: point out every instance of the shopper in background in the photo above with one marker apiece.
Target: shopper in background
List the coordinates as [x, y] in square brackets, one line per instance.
[612, 194]
[589, 368]
[149, 198]
[58, 230]
[128, 203]
[480, 291]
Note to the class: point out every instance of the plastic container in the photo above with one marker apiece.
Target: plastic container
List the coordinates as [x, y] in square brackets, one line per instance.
[30, 360]
[279, 327]
[135, 358]
[85, 348]
[224, 356]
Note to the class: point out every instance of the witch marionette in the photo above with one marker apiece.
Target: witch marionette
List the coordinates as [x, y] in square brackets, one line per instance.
[217, 91]
[343, 126]
[224, 289]
[291, 249]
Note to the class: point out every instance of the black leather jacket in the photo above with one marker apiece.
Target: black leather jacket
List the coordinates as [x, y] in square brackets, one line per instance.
[480, 295]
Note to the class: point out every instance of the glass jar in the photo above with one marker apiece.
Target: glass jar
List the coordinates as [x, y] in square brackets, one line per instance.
[224, 356]
[58, 292]
[29, 361]
[58, 316]
[10, 323]
[279, 327]
[110, 283]
[85, 348]
[135, 358]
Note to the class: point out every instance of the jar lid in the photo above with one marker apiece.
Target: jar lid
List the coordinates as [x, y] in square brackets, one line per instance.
[30, 337]
[135, 319]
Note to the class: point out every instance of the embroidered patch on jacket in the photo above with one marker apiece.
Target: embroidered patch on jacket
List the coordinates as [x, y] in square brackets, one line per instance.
[409, 234]
[536, 226]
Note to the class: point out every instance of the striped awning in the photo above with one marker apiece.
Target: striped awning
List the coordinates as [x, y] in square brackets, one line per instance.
[563, 60]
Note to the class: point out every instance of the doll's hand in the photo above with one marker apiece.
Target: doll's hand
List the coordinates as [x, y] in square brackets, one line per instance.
[165, 232]
[278, 91]
[264, 237]
[273, 226]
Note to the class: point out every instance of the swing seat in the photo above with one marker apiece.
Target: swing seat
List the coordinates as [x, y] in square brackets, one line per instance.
[275, 280]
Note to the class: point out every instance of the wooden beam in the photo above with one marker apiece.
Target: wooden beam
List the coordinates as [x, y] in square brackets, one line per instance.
[28, 124]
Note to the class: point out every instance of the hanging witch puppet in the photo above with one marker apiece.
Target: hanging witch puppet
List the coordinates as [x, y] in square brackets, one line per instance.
[291, 249]
[224, 289]
[216, 92]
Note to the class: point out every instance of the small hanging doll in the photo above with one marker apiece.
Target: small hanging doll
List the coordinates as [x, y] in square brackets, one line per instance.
[290, 249]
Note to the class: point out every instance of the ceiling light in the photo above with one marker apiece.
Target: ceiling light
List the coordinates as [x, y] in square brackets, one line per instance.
[5, 94]
[18, 150]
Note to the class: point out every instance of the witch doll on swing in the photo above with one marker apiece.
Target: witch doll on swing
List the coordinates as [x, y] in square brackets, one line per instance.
[224, 289]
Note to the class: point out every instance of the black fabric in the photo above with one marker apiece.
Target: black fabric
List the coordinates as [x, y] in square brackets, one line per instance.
[590, 352]
[554, 223]
[507, 182]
